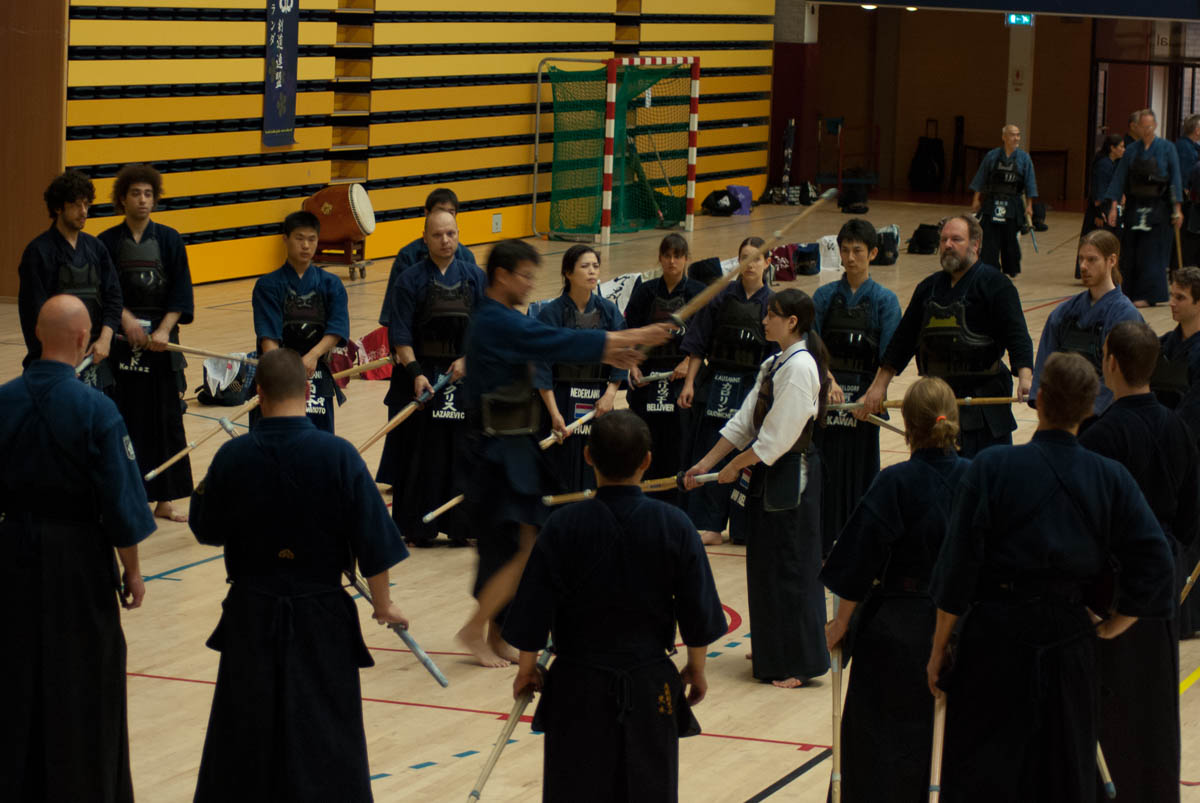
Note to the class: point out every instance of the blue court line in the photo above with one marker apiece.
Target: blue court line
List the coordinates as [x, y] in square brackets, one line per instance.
[422, 765]
[163, 575]
[713, 654]
[380, 775]
[733, 644]
[466, 753]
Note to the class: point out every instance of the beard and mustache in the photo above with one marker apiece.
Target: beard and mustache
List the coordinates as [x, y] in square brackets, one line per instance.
[953, 263]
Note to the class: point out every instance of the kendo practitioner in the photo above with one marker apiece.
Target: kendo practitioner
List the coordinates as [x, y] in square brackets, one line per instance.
[959, 323]
[70, 493]
[1176, 381]
[1139, 672]
[508, 474]
[772, 435]
[443, 199]
[432, 303]
[1081, 323]
[64, 259]
[726, 339]
[655, 301]
[302, 307]
[1004, 174]
[156, 287]
[574, 389]
[1031, 526]
[1148, 178]
[856, 317]
[1134, 132]
[879, 569]
[1104, 164]
[613, 709]
[294, 508]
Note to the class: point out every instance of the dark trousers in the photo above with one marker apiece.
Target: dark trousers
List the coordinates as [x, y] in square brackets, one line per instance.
[1000, 246]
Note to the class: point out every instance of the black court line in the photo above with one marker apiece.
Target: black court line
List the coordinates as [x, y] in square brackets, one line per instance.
[791, 776]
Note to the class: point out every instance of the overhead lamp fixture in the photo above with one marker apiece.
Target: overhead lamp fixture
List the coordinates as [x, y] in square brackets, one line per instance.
[869, 8]
[910, 8]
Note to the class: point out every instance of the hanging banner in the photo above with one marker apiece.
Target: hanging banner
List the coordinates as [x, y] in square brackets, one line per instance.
[279, 93]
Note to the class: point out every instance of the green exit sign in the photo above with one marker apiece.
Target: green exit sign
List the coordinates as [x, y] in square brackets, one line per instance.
[1018, 19]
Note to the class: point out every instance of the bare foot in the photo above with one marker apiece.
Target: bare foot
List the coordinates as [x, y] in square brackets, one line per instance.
[501, 647]
[710, 538]
[790, 683]
[477, 646]
[165, 510]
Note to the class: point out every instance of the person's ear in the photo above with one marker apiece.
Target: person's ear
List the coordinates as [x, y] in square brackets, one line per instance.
[587, 456]
[644, 467]
[874, 253]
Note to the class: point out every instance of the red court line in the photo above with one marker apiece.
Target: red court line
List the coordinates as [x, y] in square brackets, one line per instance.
[1046, 304]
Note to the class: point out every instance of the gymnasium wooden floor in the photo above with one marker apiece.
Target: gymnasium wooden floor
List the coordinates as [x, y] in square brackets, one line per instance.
[428, 743]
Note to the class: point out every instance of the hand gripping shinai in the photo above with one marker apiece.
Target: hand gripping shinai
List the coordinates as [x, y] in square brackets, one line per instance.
[361, 587]
[226, 422]
[1110, 789]
[939, 739]
[554, 437]
[203, 352]
[406, 411]
[514, 716]
[647, 486]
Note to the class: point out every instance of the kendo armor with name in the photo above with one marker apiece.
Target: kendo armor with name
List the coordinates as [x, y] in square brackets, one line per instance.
[1087, 342]
[666, 356]
[738, 341]
[1004, 184]
[303, 320]
[578, 371]
[1170, 379]
[853, 345]
[83, 282]
[784, 481]
[512, 409]
[947, 348]
[143, 279]
[441, 325]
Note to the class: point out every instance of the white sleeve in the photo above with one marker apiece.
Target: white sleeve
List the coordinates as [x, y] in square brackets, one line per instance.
[739, 430]
[797, 388]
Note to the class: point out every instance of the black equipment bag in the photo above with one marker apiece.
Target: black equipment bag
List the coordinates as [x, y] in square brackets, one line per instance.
[889, 246]
[721, 203]
[928, 166]
[924, 240]
[235, 393]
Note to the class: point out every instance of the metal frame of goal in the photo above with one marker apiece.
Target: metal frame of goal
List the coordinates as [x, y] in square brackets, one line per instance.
[610, 95]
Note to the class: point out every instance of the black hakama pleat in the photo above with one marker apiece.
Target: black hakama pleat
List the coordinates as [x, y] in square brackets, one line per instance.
[887, 721]
[787, 601]
[711, 506]
[1139, 711]
[850, 461]
[149, 403]
[1021, 706]
[565, 459]
[668, 434]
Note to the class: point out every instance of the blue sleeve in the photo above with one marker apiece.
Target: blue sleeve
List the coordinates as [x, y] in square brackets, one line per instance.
[1173, 174]
[985, 164]
[1186, 156]
[821, 301]
[111, 300]
[465, 255]
[374, 538]
[1102, 172]
[548, 313]
[337, 317]
[209, 520]
[1047, 345]
[124, 510]
[179, 275]
[614, 322]
[31, 294]
[861, 550]
[956, 573]
[697, 606]
[526, 339]
[267, 305]
[403, 306]
[480, 283]
[889, 317]
[1116, 185]
[1031, 190]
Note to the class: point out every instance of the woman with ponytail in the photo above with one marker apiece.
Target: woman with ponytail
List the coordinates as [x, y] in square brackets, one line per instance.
[774, 427]
[1081, 323]
[879, 569]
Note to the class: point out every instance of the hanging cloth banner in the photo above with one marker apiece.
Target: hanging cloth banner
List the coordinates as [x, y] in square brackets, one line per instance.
[279, 94]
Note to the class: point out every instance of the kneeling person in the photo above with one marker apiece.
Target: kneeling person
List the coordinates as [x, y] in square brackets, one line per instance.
[286, 719]
[620, 556]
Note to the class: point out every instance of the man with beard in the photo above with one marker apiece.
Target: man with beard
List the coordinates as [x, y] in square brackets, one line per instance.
[958, 324]
[1004, 174]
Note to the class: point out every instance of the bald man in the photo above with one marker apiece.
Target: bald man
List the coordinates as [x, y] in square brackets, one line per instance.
[431, 304]
[63, 735]
[1004, 174]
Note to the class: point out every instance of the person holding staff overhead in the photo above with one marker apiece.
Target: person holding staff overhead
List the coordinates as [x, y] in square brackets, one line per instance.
[294, 508]
[958, 324]
[654, 302]
[617, 557]
[156, 286]
[1031, 527]
[771, 431]
[879, 569]
[571, 390]
[856, 317]
[431, 306]
[726, 339]
[508, 472]
[303, 308]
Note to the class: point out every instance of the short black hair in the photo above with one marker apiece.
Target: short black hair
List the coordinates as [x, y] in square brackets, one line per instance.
[67, 188]
[1136, 348]
[132, 174]
[858, 230]
[507, 254]
[618, 443]
[674, 245]
[281, 376]
[300, 220]
[442, 195]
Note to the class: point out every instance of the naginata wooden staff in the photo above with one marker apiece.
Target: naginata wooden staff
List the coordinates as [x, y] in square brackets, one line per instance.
[647, 486]
[966, 401]
[939, 739]
[1110, 789]
[835, 778]
[650, 379]
[225, 423]
[401, 631]
[408, 409]
[1191, 581]
[203, 352]
[698, 302]
[514, 716]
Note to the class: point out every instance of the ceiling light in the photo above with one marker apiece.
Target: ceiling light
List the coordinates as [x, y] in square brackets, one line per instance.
[869, 8]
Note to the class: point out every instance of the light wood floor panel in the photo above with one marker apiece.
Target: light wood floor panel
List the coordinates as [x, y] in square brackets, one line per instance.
[428, 743]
